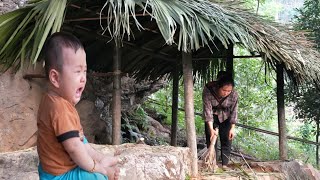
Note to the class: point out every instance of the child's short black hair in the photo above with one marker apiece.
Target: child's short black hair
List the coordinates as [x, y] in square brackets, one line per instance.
[52, 50]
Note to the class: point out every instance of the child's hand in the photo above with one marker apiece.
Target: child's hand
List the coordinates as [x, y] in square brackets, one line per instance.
[110, 166]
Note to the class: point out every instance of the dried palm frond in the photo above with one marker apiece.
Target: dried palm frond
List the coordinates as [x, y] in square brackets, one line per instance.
[187, 25]
[195, 24]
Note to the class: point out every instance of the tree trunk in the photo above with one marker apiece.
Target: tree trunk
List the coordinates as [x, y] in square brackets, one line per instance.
[189, 110]
[116, 95]
[281, 114]
[175, 101]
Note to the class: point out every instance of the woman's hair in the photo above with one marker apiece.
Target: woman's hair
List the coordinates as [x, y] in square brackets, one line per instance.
[222, 73]
[226, 79]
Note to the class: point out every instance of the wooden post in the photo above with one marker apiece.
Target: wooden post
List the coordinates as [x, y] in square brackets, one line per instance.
[175, 100]
[116, 95]
[229, 60]
[189, 111]
[281, 114]
[317, 141]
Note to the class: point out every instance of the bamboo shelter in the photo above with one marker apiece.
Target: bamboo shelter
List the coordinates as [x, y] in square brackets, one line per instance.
[155, 39]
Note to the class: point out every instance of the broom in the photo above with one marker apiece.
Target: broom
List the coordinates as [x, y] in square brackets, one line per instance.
[209, 156]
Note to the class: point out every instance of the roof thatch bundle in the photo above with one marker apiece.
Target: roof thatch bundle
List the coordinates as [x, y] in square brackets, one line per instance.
[154, 33]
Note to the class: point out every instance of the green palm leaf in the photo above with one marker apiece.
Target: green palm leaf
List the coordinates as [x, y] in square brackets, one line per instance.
[24, 31]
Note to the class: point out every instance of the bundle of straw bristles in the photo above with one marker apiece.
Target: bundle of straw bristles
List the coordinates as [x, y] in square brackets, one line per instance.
[208, 157]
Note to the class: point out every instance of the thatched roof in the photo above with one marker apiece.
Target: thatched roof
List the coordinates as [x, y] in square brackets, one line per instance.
[154, 33]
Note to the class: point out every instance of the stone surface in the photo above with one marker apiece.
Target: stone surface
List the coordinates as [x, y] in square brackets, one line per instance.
[9, 5]
[140, 162]
[19, 101]
[290, 169]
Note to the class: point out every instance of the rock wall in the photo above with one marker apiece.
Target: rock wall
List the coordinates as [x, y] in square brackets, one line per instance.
[140, 162]
[19, 101]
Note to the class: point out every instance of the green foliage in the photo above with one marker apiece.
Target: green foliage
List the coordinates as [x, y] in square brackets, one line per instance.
[305, 153]
[304, 98]
[267, 8]
[305, 103]
[308, 19]
[136, 118]
[188, 177]
[261, 146]
[163, 100]
[140, 114]
[257, 108]
[257, 105]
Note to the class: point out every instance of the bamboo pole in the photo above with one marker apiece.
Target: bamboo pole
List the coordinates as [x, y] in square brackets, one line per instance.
[281, 114]
[189, 111]
[116, 95]
[175, 100]
[317, 140]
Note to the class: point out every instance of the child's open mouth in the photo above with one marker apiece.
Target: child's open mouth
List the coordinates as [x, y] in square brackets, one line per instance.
[79, 91]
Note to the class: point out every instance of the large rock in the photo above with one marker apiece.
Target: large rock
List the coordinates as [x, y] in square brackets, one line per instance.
[19, 101]
[140, 162]
[19, 165]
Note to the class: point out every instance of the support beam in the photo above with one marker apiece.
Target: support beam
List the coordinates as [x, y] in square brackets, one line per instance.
[175, 101]
[189, 111]
[283, 151]
[148, 51]
[229, 60]
[116, 94]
